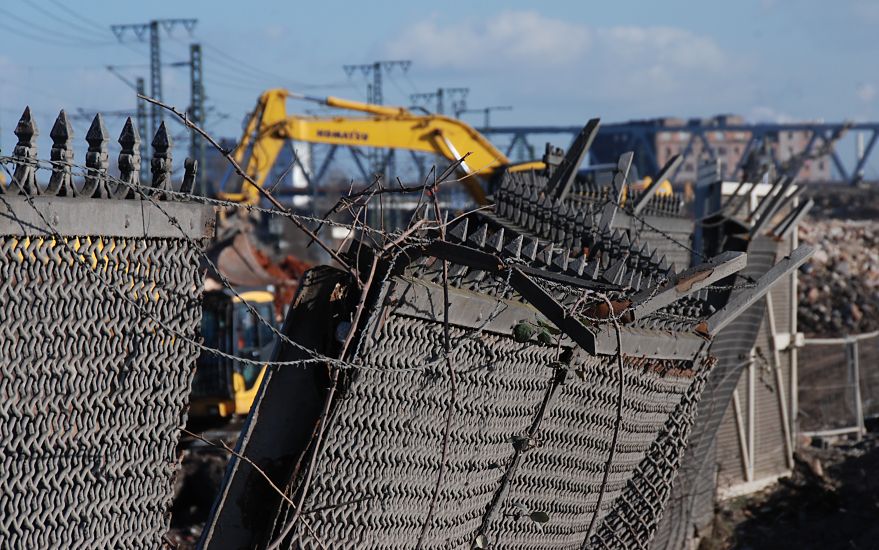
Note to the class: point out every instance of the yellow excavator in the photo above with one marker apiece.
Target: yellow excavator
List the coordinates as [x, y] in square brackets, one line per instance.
[223, 387]
[383, 127]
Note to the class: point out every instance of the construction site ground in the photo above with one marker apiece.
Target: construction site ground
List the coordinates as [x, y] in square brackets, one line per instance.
[830, 501]
[832, 498]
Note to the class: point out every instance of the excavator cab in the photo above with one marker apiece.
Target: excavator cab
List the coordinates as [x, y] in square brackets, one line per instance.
[224, 387]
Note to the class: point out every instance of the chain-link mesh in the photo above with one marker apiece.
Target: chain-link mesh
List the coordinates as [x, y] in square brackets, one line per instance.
[634, 519]
[868, 361]
[691, 504]
[99, 310]
[383, 448]
[826, 390]
[93, 391]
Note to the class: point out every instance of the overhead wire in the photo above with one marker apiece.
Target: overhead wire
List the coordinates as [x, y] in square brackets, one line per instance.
[76, 15]
[42, 39]
[54, 33]
[35, 4]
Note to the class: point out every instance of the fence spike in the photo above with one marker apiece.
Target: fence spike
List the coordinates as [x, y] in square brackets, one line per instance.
[514, 248]
[562, 260]
[478, 237]
[129, 161]
[24, 178]
[61, 180]
[96, 160]
[190, 169]
[160, 165]
[545, 254]
[529, 250]
[580, 265]
[496, 241]
[458, 233]
[614, 273]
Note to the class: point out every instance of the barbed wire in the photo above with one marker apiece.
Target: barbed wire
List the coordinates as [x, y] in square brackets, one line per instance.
[315, 357]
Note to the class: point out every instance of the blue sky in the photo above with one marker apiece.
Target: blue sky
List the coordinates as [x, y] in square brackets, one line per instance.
[554, 62]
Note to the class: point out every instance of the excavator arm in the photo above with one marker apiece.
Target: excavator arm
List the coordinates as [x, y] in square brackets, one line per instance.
[380, 127]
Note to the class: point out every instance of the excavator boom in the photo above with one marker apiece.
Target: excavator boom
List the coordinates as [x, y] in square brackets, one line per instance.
[380, 127]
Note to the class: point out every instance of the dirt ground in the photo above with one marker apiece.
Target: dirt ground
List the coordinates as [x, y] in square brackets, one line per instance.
[830, 502]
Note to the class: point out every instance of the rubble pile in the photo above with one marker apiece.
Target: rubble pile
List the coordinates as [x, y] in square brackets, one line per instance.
[839, 286]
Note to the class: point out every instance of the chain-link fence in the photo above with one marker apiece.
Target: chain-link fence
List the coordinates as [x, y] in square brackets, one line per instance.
[838, 384]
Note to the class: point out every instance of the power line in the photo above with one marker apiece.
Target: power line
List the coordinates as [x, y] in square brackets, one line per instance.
[66, 22]
[76, 15]
[44, 39]
[375, 95]
[51, 32]
[376, 69]
[242, 66]
[152, 28]
[486, 112]
[458, 97]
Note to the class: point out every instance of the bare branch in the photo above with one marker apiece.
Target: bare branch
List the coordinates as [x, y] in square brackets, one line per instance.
[271, 198]
[260, 471]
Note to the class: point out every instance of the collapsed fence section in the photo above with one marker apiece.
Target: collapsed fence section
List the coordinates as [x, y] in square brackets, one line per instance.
[500, 380]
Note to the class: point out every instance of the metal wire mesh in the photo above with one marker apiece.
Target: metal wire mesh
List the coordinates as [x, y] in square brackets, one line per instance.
[93, 392]
[826, 391]
[868, 362]
[373, 484]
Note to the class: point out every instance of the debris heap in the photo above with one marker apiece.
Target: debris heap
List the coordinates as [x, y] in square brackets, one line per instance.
[839, 287]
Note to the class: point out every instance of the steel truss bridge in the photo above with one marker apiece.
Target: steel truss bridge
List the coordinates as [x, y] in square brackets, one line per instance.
[526, 143]
[639, 137]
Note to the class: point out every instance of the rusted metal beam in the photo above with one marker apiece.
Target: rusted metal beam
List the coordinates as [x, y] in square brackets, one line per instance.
[686, 283]
[562, 179]
[792, 220]
[742, 301]
[651, 190]
[552, 310]
[278, 430]
[775, 203]
[621, 174]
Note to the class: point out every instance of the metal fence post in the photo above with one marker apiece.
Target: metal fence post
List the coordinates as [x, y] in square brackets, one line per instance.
[855, 374]
[752, 428]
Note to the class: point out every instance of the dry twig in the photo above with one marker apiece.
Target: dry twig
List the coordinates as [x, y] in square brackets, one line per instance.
[450, 413]
[238, 170]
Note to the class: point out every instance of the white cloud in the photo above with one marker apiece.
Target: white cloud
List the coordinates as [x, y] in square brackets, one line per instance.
[522, 37]
[530, 51]
[768, 114]
[674, 48]
[866, 92]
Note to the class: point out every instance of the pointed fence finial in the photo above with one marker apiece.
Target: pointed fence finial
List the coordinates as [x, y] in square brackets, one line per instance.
[24, 179]
[61, 181]
[96, 160]
[129, 162]
[190, 170]
[161, 161]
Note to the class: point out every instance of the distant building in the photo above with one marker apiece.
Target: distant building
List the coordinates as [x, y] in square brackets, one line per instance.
[725, 137]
